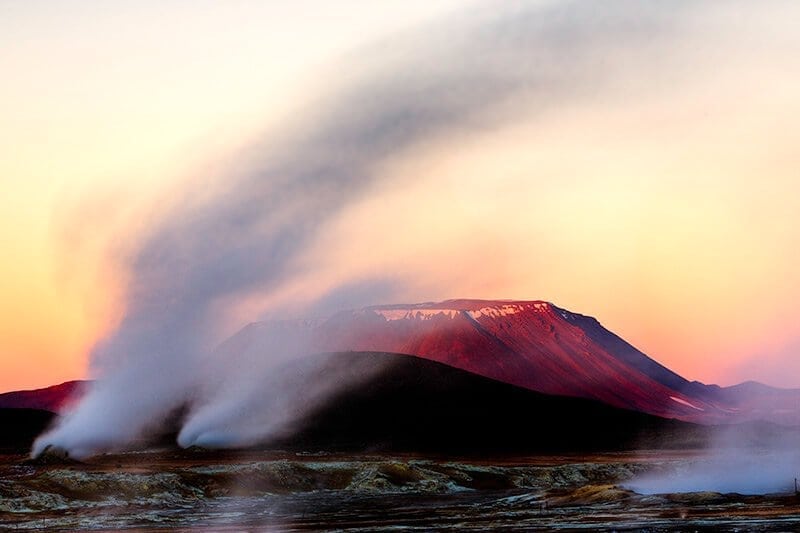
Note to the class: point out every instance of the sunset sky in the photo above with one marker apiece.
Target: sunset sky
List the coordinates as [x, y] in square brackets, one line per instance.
[645, 172]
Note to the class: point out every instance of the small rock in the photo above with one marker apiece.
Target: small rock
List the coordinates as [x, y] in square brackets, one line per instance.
[51, 455]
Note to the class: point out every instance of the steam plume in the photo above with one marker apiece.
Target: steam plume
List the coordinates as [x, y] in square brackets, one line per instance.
[451, 78]
[750, 458]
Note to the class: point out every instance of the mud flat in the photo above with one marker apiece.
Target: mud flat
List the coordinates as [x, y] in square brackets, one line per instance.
[204, 491]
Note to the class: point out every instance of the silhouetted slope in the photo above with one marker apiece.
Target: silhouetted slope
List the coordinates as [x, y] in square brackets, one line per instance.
[418, 405]
[19, 428]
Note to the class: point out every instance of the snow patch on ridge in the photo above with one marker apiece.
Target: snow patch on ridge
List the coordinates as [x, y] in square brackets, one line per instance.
[496, 311]
[418, 314]
[684, 402]
[430, 311]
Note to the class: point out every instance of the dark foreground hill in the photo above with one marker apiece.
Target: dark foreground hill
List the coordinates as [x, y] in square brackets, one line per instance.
[418, 405]
[415, 405]
[19, 428]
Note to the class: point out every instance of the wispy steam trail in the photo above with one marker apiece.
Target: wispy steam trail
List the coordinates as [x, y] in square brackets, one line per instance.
[444, 79]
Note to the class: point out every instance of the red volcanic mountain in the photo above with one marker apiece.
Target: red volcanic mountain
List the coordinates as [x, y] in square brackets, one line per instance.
[54, 399]
[538, 346]
[534, 345]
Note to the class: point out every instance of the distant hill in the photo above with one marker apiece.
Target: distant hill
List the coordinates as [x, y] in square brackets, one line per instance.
[53, 399]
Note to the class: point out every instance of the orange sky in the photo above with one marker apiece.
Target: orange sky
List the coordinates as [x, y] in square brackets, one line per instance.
[666, 204]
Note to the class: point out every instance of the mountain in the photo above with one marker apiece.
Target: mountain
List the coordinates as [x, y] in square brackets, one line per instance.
[54, 399]
[531, 344]
[528, 364]
[26, 414]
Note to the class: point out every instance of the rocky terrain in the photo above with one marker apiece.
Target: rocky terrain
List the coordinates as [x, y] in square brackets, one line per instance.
[198, 490]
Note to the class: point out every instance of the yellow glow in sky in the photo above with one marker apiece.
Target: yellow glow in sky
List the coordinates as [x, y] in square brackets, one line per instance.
[106, 104]
[665, 204]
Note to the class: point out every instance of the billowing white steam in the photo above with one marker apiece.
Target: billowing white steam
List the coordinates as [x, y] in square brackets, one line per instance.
[749, 458]
[466, 74]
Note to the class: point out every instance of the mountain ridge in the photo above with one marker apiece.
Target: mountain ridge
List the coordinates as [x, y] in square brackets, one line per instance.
[533, 344]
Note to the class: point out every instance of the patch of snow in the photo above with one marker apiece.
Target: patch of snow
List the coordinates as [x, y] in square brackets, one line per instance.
[684, 402]
[427, 311]
[416, 314]
[496, 311]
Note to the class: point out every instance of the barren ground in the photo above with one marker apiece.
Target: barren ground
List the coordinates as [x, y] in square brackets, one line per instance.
[204, 491]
